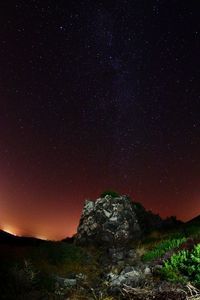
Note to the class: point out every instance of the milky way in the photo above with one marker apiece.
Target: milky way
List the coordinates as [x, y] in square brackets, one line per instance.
[97, 95]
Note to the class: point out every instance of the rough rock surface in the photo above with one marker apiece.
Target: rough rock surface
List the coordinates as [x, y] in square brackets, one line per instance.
[128, 276]
[114, 222]
[109, 221]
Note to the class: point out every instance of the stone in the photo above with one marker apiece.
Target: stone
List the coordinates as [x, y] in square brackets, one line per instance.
[132, 253]
[69, 282]
[115, 221]
[127, 269]
[129, 276]
[121, 264]
[116, 254]
[108, 221]
[64, 285]
[147, 271]
[156, 269]
[66, 282]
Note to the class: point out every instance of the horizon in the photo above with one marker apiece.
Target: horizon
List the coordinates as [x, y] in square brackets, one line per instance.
[10, 229]
[96, 95]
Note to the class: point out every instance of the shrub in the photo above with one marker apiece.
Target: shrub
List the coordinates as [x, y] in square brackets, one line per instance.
[110, 193]
[170, 274]
[183, 266]
[162, 247]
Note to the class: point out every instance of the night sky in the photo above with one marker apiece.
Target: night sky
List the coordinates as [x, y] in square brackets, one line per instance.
[97, 95]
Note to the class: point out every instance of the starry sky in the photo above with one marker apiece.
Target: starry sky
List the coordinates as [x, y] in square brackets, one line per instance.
[97, 95]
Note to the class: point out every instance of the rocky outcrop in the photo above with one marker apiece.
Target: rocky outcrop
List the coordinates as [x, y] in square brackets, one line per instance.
[114, 221]
[117, 220]
[108, 221]
[114, 224]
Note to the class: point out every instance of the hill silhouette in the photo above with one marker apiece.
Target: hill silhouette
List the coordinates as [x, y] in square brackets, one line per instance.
[195, 221]
[8, 238]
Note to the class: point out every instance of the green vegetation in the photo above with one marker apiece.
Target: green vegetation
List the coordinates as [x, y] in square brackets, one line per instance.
[109, 193]
[31, 269]
[183, 266]
[179, 252]
[161, 248]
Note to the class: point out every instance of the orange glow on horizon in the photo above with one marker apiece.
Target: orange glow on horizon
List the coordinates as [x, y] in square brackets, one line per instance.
[9, 230]
[39, 235]
[61, 221]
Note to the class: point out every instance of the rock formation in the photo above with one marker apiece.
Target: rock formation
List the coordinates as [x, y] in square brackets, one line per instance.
[114, 221]
[109, 221]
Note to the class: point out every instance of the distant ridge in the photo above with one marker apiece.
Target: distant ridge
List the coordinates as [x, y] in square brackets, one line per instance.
[8, 238]
[195, 220]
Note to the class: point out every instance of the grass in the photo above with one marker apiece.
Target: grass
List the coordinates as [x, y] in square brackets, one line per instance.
[178, 251]
[27, 272]
[162, 247]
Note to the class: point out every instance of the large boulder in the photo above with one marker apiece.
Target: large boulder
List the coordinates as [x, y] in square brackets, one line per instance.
[108, 221]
